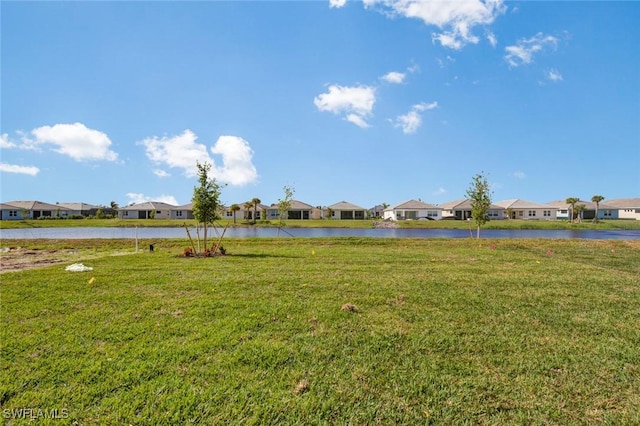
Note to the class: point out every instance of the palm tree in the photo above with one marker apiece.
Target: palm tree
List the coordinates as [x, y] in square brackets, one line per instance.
[234, 208]
[255, 203]
[572, 201]
[579, 209]
[247, 209]
[597, 199]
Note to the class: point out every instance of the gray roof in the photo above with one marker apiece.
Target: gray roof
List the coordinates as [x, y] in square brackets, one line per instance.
[588, 205]
[295, 205]
[625, 203]
[344, 205]
[78, 206]
[150, 205]
[517, 203]
[414, 204]
[35, 205]
[465, 205]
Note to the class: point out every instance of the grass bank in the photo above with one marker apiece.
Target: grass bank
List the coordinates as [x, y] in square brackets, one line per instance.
[441, 332]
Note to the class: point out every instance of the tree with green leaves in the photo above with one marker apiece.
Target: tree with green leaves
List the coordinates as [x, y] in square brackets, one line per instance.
[234, 208]
[247, 210]
[579, 209]
[284, 204]
[479, 193]
[572, 202]
[255, 202]
[597, 199]
[206, 198]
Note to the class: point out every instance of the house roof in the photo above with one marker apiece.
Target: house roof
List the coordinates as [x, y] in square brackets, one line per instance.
[344, 205]
[295, 205]
[35, 205]
[588, 205]
[78, 206]
[414, 204]
[625, 203]
[465, 205]
[150, 205]
[517, 203]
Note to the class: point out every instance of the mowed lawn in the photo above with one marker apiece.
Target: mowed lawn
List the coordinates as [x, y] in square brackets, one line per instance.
[439, 331]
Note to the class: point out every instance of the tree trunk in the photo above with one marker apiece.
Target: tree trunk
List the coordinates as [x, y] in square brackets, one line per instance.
[478, 233]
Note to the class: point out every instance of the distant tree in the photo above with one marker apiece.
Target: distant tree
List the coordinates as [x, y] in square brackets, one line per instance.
[247, 210]
[597, 199]
[206, 198]
[572, 202]
[100, 214]
[579, 209]
[329, 212]
[480, 195]
[234, 208]
[284, 204]
[255, 202]
[509, 212]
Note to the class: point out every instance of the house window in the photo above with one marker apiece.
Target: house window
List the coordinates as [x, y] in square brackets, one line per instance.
[547, 213]
[179, 213]
[432, 213]
[520, 213]
[608, 213]
[532, 213]
[13, 213]
[158, 212]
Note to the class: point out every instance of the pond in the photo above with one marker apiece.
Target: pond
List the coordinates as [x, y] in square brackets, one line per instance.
[151, 233]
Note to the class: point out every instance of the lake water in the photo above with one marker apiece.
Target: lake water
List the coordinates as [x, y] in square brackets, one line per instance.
[150, 233]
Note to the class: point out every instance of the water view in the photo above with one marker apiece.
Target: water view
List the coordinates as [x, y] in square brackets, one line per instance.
[147, 233]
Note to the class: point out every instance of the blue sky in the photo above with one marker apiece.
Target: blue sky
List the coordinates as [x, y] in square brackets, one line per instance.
[368, 102]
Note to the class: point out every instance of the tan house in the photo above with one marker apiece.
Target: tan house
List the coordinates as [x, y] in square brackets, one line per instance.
[523, 209]
[628, 208]
[19, 210]
[461, 210]
[346, 211]
[412, 210]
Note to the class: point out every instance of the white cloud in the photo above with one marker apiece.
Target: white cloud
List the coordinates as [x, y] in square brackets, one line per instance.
[75, 140]
[356, 102]
[411, 121]
[519, 175]
[439, 191]
[5, 143]
[493, 40]
[137, 198]
[393, 77]
[161, 173]
[183, 152]
[553, 75]
[337, 3]
[237, 167]
[522, 53]
[25, 170]
[456, 19]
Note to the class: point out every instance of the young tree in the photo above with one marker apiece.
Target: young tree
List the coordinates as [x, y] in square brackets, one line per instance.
[206, 198]
[247, 210]
[285, 204]
[255, 203]
[480, 195]
[597, 199]
[572, 202]
[234, 208]
[579, 209]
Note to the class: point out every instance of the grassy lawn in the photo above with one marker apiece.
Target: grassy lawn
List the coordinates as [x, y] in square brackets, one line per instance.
[440, 332]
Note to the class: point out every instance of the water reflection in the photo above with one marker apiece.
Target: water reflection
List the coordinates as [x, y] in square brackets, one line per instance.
[150, 233]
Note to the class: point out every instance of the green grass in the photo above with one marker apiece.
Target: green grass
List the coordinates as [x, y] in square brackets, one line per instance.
[320, 223]
[446, 332]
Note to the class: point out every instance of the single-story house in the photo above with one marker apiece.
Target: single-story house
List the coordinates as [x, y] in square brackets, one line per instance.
[297, 211]
[345, 210]
[461, 210]
[19, 210]
[628, 208]
[147, 210]
[245, 213]
[84, 209]
[184, 211]
[412, 210]
[523, 209]
[605, 211]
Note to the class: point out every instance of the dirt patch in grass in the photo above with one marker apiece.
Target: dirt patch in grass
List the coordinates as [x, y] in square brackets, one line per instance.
[18, 259]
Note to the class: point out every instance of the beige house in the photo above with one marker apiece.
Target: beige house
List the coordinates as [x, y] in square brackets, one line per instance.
[147, 210]
[412, 210]
[345, 210]
[19, 210]
[523, 209]
[628, 208]
[461, 210]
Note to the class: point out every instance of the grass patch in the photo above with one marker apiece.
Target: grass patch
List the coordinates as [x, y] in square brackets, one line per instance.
[435, 332]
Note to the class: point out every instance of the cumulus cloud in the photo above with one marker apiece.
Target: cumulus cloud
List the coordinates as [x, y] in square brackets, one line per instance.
[455, 19]
[393, 77]
[522, 53]
[75, 140]
[356, 102]
[337, 3]
[553, 75]
[161, 173]
[24, 170]
[5, 143]
[183, 152]
[411, 121]
[137, 198]
[491, 37]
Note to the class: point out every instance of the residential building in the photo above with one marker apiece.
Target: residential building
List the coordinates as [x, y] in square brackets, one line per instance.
[523, 209]
[461, 210]
[412, 210]
[628, 208]
[346, 211]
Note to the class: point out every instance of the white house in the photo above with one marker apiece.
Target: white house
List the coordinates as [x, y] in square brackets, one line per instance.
[412, 210]
[461, 210]
[628, 208]
[523, 209]
[19, 210]
[147, 210]
[345, 210]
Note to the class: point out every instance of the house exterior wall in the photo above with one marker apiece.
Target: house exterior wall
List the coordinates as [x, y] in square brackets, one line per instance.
[412, 214]
[629, 214]
[14, 214]
[534, 213]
